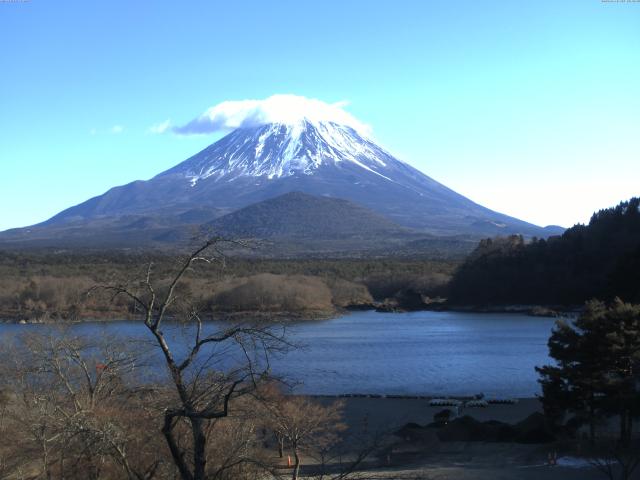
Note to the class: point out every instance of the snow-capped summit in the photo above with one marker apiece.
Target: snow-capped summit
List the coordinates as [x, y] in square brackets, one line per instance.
[278, 150]
[289, 144]
[283, 109]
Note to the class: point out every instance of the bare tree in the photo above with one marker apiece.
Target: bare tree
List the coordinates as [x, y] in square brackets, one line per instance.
[71, 406]
[303, 424]
[220, 363]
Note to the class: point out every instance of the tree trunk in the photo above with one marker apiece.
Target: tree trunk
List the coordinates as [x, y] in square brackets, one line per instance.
[592, 423]
[296, 465]
[199, 444]
[45, 458]
[623, 427]
[280, 439]
[176, 452]
[62, 459]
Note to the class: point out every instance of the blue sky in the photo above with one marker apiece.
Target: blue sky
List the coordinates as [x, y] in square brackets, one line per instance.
[529, 108]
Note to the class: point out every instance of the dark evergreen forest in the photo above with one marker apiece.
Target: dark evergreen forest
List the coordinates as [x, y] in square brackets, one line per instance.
[598, 260]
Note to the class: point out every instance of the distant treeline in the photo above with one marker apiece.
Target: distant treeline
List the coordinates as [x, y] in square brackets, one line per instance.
[99, 264]
[598, 260]
[50, 286]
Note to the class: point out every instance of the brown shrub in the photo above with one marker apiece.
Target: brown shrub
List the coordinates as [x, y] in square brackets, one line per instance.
[346, 294]
[268, 292]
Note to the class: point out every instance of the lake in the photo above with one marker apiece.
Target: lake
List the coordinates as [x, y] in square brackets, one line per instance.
[417, 353]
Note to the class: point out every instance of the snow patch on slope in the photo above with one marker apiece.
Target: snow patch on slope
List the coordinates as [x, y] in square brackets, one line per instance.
[278, 150]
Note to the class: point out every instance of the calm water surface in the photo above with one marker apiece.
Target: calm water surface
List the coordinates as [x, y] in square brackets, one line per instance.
[400, 353]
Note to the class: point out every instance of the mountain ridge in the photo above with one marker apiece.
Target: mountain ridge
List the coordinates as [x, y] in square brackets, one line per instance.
[322, 159]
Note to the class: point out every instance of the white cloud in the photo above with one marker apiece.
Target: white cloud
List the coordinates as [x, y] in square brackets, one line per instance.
[116, 129]
[285, 109]
[161, 127]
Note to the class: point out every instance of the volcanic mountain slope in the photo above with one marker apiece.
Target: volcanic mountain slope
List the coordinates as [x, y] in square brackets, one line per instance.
[301, 216]
[297, 223]
[252, 164]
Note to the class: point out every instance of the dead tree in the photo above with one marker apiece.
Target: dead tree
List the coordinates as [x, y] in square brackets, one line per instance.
[74, 407]
[304, 424]
[202, 385]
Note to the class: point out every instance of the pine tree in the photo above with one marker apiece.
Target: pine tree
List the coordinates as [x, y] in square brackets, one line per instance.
[623, 378]
[597, 371]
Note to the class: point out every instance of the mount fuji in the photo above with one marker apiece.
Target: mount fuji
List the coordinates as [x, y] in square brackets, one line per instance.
[255, 163]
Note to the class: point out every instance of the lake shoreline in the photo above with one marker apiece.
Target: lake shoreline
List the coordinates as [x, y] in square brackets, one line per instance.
[392, 412]
[552, 311]
[414, 449]
[265, 317]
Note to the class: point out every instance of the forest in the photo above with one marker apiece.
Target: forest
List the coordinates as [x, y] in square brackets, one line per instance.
[53, 286]
[598, 260]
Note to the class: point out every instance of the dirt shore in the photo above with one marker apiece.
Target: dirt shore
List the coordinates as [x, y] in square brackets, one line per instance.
[383, 414]
[437, 460]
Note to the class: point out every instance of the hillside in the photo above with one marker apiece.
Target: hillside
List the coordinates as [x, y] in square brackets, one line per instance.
[601, 259]
[299, 215]
[296, 225]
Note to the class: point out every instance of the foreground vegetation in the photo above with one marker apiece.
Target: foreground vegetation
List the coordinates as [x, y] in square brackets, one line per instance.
[80, 408]
[597, 374]
[87, 408]
[595, 382]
